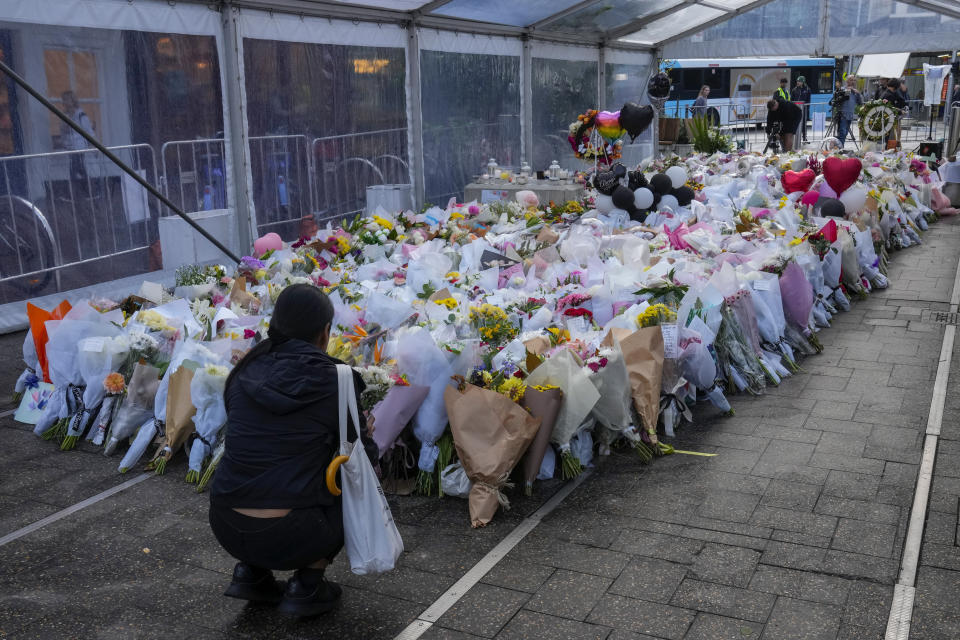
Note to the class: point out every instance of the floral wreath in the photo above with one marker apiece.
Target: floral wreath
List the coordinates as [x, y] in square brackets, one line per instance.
[877, 118]
[582, 140]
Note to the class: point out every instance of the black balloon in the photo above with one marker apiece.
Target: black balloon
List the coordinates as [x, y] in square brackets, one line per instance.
[605, 182]
[661, 183]
[636, 180]
[831, 207]
[639, 216]
[623, 199]
[659, 86]
[656, 198]
[635, 119]
[684, 195]
[619, 170]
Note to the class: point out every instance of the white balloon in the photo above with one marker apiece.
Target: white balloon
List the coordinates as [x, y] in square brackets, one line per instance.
[604, 204]
[669, 202]
[643, 198]
[854, 199]
[677, 175]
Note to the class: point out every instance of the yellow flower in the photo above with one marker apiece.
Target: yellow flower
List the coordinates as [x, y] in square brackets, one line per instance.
[260, 274]
[449, 303]
[456, 215]
[544, 387]
[796, 241]
[383, 222]
[655, 315]
[153, 320]
[514, 388]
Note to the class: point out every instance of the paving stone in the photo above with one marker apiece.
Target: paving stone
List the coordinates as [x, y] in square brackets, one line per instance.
[484, 610]
[659, 620]
[833, 409]
[791, 495]
[568, 594]
[807, 435]
[790, 472]
[726, 565]
[720, 537]
[711, 627]
[657, 545]
[940, 528]
[791, 520]
[853, 632]
[800, 620]
[793, 556]
[869, 538]
[868, 605]
[439, 633]
[729, 527]
[518, 575]
[857, 565]
[733, 460]
[841, 443]
[843, 462]
[530, 625]
[934, 624]
[858, 509]
[649, 579]
[724, 600]
[825, 589]
[777, 580]
[800, 538]
[839, 425]
[566, 555]
[937, 588]
[728, 505]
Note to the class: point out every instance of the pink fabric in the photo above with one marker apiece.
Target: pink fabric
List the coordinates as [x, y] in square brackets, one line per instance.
[676, 237]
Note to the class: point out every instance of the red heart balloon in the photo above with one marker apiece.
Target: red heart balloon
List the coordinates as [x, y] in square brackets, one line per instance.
[841, 173]
[798, 180]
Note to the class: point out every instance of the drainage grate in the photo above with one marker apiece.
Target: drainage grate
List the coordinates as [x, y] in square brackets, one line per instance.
[940, 317]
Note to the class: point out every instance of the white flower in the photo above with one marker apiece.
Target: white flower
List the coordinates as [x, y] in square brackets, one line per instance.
[217, 370]
[143, 342]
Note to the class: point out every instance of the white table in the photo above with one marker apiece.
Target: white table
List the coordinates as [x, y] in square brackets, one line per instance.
[546, 190]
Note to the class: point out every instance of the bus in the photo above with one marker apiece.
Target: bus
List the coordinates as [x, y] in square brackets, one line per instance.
[740, 87]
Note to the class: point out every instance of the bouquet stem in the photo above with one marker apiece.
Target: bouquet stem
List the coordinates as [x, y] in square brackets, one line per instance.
[160, 466]
[58, 431]
[643, 451]
[570, 465]
[425, 482]
[211, 468]
[17, 397]
[192, 476]
[69, 442]
[445, 444]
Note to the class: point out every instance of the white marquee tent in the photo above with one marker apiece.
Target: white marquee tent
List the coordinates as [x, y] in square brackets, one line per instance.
[267, 115]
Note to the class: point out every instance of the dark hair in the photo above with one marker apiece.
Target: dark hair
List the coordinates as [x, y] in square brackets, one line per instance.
[893, 83]
[782, 80]
[302, 312]
[771, 104]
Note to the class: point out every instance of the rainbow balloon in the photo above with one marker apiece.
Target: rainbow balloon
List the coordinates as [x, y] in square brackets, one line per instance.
[608, 125]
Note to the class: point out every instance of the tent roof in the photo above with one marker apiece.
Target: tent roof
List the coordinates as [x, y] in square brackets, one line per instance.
[632, 24]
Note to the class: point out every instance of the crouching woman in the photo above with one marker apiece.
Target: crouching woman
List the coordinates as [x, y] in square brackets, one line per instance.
[269, 504]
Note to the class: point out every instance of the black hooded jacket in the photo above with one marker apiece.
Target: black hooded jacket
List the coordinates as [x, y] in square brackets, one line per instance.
[282, 430]
[787, 114]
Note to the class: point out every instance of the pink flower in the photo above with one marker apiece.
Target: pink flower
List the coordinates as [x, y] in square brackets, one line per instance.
[249, 333]
[473, 210]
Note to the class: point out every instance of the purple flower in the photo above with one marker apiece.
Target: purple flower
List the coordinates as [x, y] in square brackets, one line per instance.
[252, 263]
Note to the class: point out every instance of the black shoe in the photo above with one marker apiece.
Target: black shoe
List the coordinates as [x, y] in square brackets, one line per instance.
[254, 584]
[304, 600]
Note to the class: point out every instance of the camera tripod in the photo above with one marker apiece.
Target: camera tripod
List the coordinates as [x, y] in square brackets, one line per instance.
[832, 131]
[773, 140]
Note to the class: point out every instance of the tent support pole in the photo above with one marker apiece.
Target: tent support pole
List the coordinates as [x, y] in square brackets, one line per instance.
[238, 142]
[113, 158]
[526, 104]
[415, 124]
[602, 78]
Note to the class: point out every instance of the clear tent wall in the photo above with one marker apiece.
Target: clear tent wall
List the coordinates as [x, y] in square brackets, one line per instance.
[256, 121]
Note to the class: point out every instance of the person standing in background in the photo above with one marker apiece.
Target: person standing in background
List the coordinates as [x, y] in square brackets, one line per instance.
[800, 95]
[700, 104]
[73, 141]
[849, 100]
[783, 92]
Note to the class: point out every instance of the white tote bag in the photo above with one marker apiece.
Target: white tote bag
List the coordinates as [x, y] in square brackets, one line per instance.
[370, 535]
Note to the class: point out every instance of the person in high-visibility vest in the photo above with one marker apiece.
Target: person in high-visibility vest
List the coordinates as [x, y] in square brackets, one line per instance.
[783, 93]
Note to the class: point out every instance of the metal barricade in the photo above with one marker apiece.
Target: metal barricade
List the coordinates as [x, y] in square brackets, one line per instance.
[345, 165]
[283, 193]
[71, 218]
[194, 174]
[457, 154]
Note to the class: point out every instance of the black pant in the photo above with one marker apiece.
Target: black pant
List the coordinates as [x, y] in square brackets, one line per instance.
[295, 541]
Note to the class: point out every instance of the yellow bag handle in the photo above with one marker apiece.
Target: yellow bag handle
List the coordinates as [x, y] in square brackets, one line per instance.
[332, 474]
